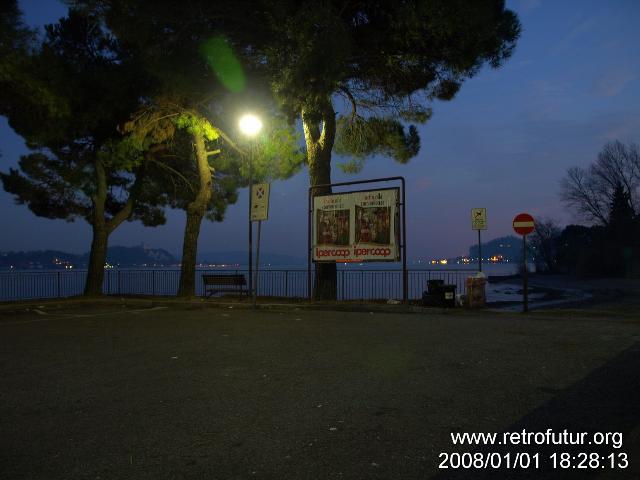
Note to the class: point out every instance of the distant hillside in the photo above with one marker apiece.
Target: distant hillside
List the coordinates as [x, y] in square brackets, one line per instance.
[118, 256]
[138, 256]
[129, 257]
[42, 259]
[240, 258]
[508, 248]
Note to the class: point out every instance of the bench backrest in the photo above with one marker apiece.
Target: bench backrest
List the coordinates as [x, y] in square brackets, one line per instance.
[224, 279]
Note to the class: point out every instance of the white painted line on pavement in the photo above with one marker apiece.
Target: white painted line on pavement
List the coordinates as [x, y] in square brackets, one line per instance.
[57, 316]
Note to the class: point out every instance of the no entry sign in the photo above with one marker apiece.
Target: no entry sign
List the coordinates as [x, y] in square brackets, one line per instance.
[523, 224]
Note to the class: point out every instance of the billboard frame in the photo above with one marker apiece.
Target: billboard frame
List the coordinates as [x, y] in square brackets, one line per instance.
[402, 245]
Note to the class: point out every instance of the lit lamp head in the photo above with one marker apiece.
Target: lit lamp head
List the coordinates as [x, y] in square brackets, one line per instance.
[250, 125]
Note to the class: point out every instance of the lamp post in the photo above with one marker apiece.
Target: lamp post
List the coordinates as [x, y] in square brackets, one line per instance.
[250, 125]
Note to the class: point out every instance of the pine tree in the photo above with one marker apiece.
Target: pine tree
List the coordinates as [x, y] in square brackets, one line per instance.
[81, 165]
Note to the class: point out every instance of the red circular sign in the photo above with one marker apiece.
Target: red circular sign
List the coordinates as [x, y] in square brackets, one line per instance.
[523, 224]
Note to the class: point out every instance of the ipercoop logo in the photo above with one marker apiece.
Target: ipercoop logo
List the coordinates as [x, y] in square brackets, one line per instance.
[357, 252]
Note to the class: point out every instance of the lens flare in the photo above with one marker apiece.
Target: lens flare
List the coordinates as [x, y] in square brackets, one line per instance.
[223, 62]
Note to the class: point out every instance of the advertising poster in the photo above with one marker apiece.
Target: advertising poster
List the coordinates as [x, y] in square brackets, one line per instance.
[356, 226]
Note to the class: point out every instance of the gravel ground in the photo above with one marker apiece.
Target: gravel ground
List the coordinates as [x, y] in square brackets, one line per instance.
[121, 392]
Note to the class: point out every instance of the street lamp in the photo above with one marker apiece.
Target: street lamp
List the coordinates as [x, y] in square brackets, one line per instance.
[250, 125]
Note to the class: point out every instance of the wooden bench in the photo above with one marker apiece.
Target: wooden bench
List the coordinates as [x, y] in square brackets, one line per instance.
[223, 283]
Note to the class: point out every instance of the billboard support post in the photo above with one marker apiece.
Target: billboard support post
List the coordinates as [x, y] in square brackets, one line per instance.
[402, 244]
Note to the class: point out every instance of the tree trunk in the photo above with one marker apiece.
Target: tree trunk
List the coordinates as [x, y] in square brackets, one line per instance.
[319, 145]
[187, 287]
[97, 259]
[102, 228]
[98, 254]
[195, 212]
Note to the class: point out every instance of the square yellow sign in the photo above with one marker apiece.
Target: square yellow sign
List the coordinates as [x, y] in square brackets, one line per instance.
[479, 218]
[259, 202]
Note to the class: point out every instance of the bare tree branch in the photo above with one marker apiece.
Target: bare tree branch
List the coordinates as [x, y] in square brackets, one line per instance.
[590, 191]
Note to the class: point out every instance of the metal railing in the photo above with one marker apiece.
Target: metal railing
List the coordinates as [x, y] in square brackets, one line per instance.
[351, 284]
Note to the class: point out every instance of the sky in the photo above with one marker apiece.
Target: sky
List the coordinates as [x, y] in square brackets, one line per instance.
[503, 143]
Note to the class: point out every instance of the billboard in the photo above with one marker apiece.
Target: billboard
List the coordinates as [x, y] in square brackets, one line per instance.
[358, 226]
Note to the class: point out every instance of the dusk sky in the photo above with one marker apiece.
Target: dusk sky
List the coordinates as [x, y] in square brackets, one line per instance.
[504, 142]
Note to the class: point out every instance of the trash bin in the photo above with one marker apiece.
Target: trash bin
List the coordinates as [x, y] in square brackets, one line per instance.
[429, 299]
[476, 296]
[434, 286]
[448, 296]
[432, 296]
[439, 295]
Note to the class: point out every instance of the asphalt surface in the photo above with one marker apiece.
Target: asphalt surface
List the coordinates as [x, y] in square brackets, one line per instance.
[122, 392]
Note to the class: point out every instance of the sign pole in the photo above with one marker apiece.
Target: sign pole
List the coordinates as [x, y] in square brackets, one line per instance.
[479, 222]
[524, 224]
[255, 282]
[479, 253]
[258, 211]
[525, 279]
[250, 291]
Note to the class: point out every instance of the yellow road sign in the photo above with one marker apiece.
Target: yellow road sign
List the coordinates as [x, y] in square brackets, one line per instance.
[259, 202]
[479, 218]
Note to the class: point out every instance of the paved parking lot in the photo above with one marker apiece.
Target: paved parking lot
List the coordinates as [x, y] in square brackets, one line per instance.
[116, 391]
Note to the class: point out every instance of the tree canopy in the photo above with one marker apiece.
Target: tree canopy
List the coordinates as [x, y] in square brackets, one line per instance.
[18, 84]
[87, 72]
[389, 60]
